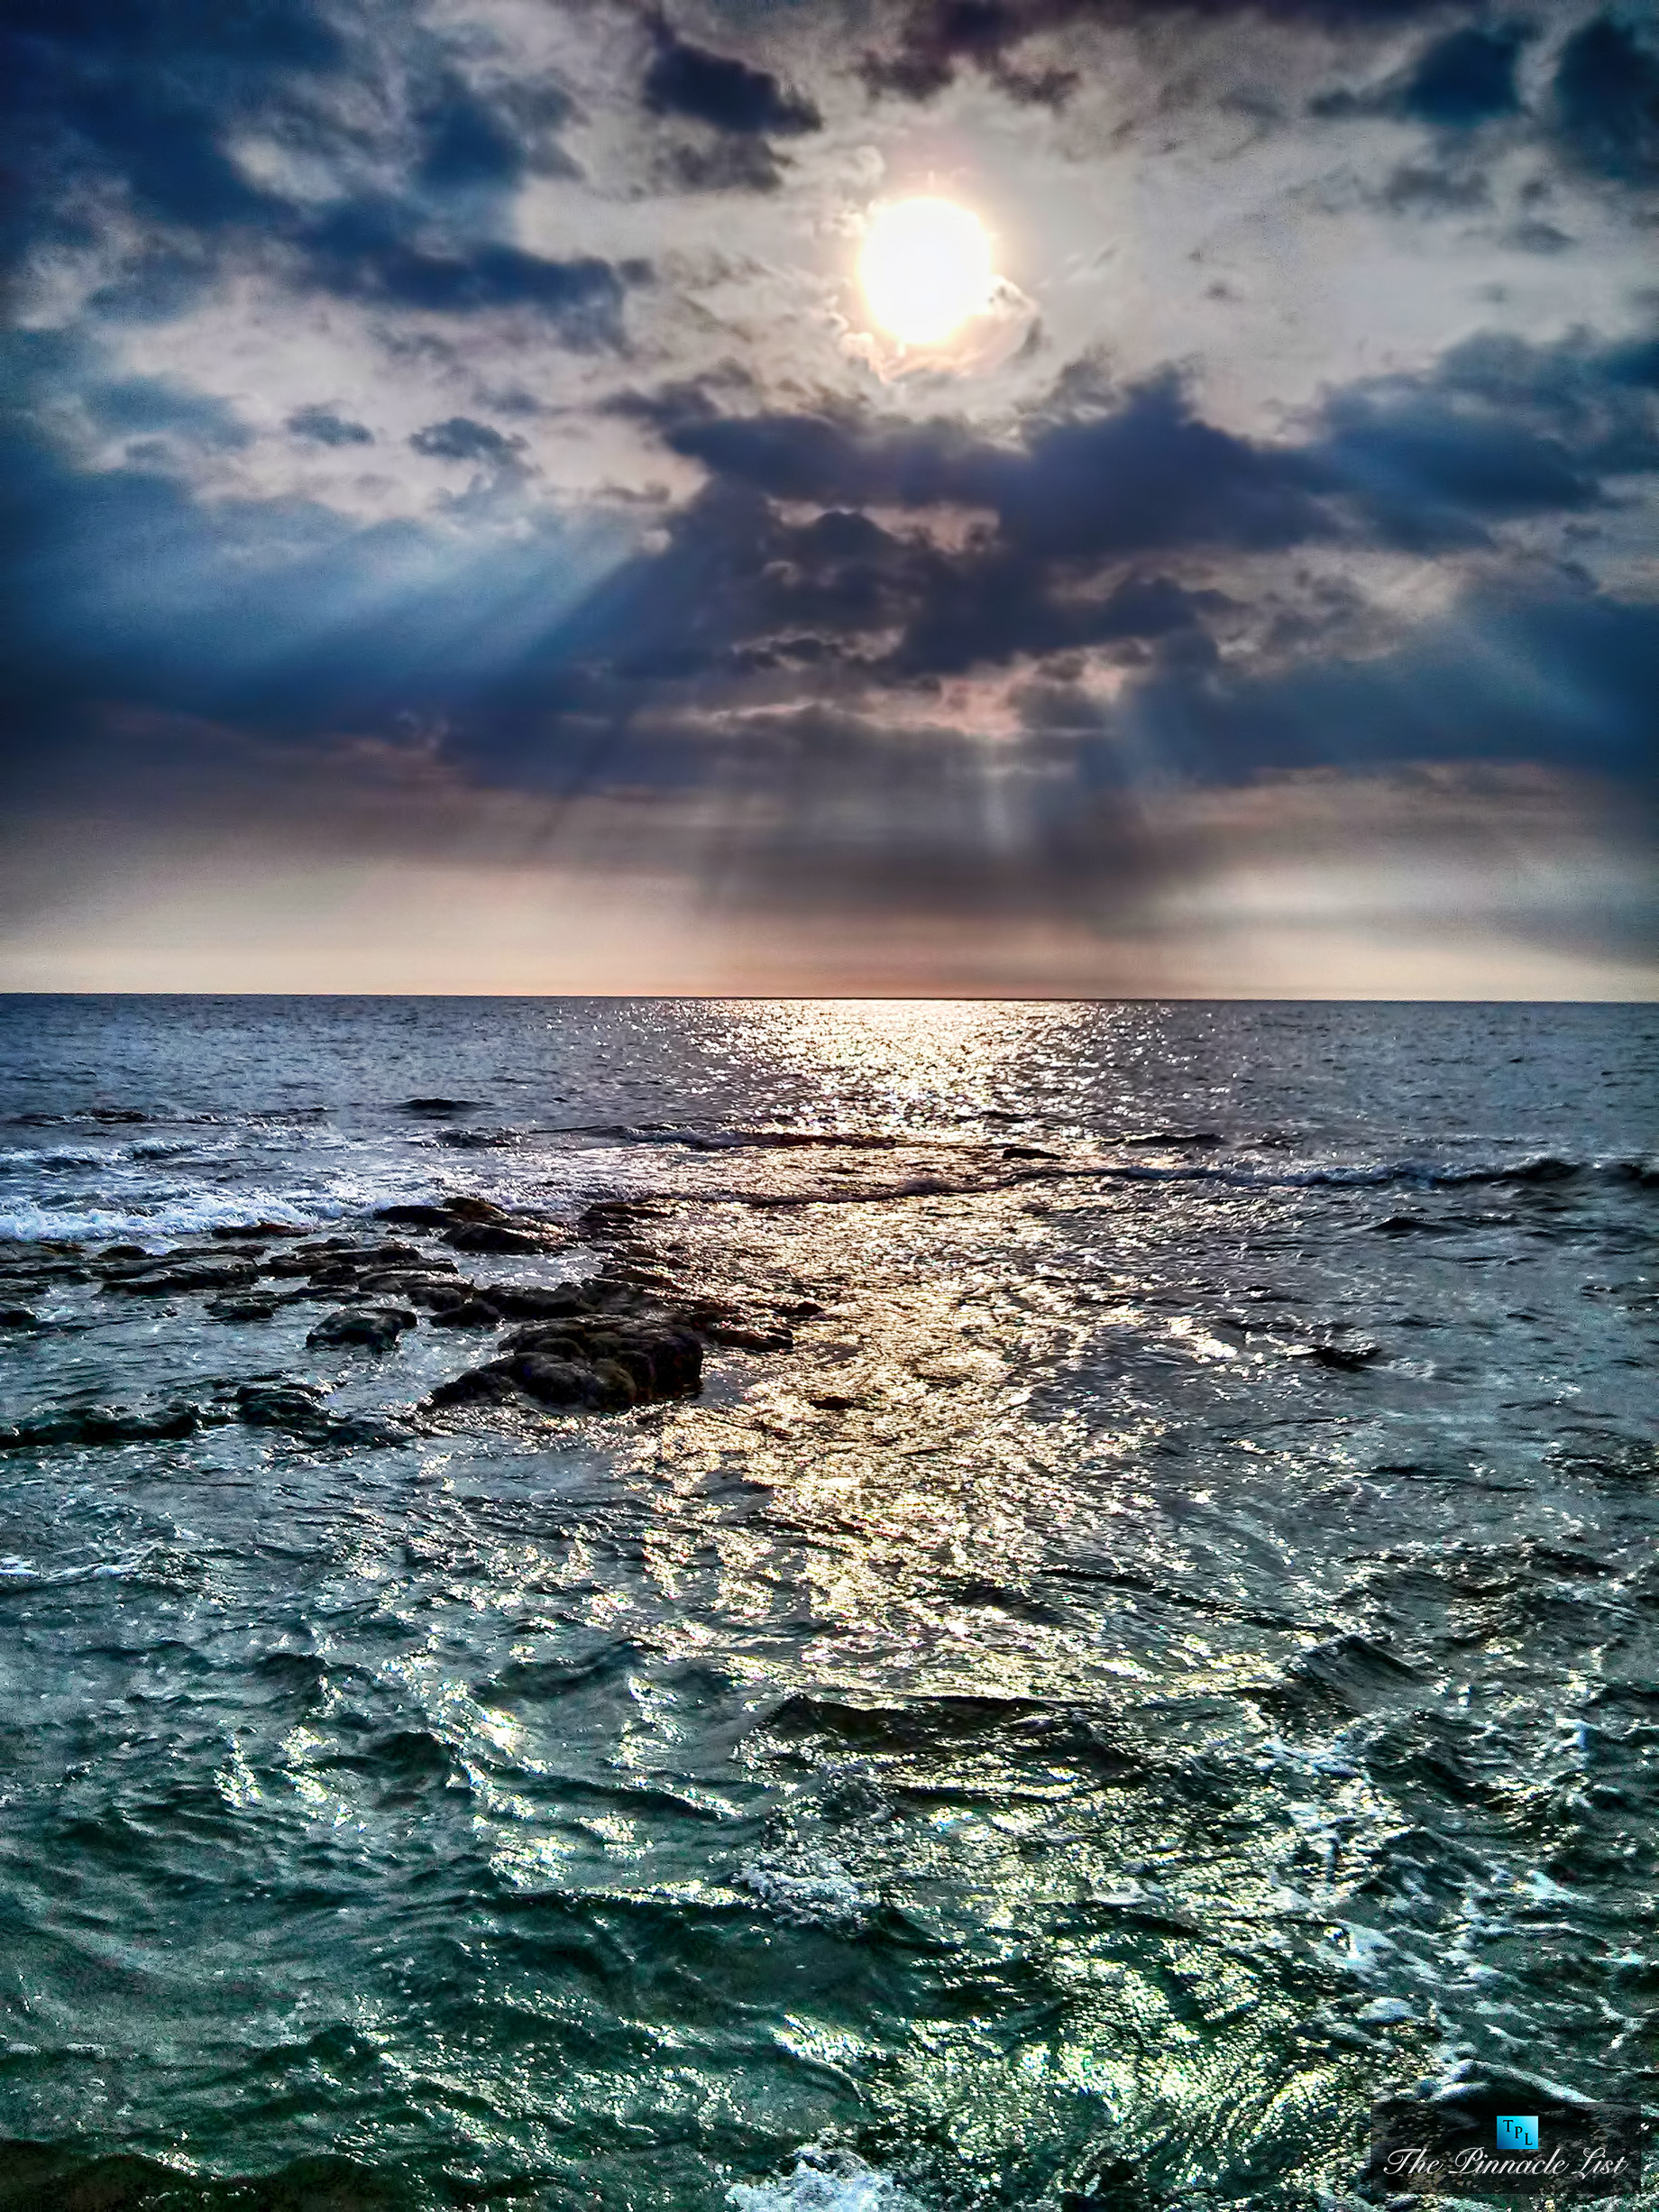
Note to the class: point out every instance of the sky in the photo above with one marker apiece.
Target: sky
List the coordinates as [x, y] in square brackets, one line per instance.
[468, 527]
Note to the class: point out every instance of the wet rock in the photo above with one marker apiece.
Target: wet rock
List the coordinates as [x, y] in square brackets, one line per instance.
[491, 1236]
[468, 1313]
[126, 1252]
[281, 1405]
[170, 1276]
[103, 1425]
[441, 1106]
[437, 1292]
[1349, 1359]
[340, 1257]
[600, 1362]
[446, 1214]
[378, 1328]
[257, 1228]
[298, 1410]
[485, 1385]
[18, 1317]
[531, 1302]
[254, 1308]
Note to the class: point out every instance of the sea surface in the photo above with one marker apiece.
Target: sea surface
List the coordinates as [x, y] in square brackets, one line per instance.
[1162, 1647]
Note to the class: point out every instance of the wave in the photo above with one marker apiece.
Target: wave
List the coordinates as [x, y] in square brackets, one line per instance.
[18, 1575]
[825, 2179]
[746, 1140]
[189, 1214]
[106, 1118]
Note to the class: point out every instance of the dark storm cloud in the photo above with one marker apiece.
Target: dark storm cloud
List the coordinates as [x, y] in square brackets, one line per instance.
[1463, 79]
[727, 94]
[1456, 82]
[136, 405]
[323, 428]
[1146, 476]
[936, 39]
[1607, 102]
[145, 93]
[1501, 430]
[95, 92]
[1559, 677]
[366, 251]
[279, 614]
[460, 438]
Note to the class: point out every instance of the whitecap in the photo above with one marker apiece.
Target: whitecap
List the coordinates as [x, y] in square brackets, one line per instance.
[824, 2180]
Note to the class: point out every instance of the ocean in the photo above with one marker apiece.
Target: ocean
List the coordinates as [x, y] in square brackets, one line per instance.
[909, 1606]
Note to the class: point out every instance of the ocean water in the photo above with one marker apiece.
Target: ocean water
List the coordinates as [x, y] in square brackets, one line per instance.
[1164, 1647]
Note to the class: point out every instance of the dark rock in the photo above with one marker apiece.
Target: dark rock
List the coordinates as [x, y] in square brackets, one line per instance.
[417, 1216]
[254, 1308]
[1349, 1358]
[478, 1384]
[437, 1291]
[377, 1327]
[101, 1425]
[445, 1214]
[298, 1409]
[490, 1236]
[468, 1313]
[1027, 1152]
[441, 1106]
[530, 1302]
[18, 1317]
[603, 1385]
[477, 1140]
[126, 1252]
[661, 1360]
[340, 1259]
[733, 1337]
[167, 1277]
[257, 1228]
[602, 1363]
[281, 1405]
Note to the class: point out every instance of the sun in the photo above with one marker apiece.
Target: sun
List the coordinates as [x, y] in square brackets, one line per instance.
[925, 268]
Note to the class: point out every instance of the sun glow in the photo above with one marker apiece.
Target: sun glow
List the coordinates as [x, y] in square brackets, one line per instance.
[925, 268]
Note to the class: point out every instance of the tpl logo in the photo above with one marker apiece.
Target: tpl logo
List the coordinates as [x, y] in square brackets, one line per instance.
[1517, 2131]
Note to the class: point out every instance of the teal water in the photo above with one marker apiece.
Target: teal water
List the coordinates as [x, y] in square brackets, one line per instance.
[1167, 1653]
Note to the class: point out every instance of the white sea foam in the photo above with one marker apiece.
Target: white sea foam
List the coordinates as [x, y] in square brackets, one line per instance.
[183, 1214]
[816, 1891]
[22, 1574]
[825, 2181]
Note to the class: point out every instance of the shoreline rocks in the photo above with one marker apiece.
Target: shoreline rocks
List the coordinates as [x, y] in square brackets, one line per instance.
[378, 1328]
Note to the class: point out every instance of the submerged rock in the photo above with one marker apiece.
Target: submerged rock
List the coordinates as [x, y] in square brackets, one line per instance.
[101, 1425]
[1349, 1358]
[377, 1327]
[436, 1292]
[166, 1277]
[468, 1313]
[18, 1317]
[339, 1257]
[254, 1308]
[492, 1236]
[591, 1359]
[298, 1409]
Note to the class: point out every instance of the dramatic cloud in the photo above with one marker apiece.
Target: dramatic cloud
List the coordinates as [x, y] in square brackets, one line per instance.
[457, 439]
[684, 80]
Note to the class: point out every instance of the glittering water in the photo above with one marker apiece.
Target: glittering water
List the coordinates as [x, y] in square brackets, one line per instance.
[1167, 1652]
